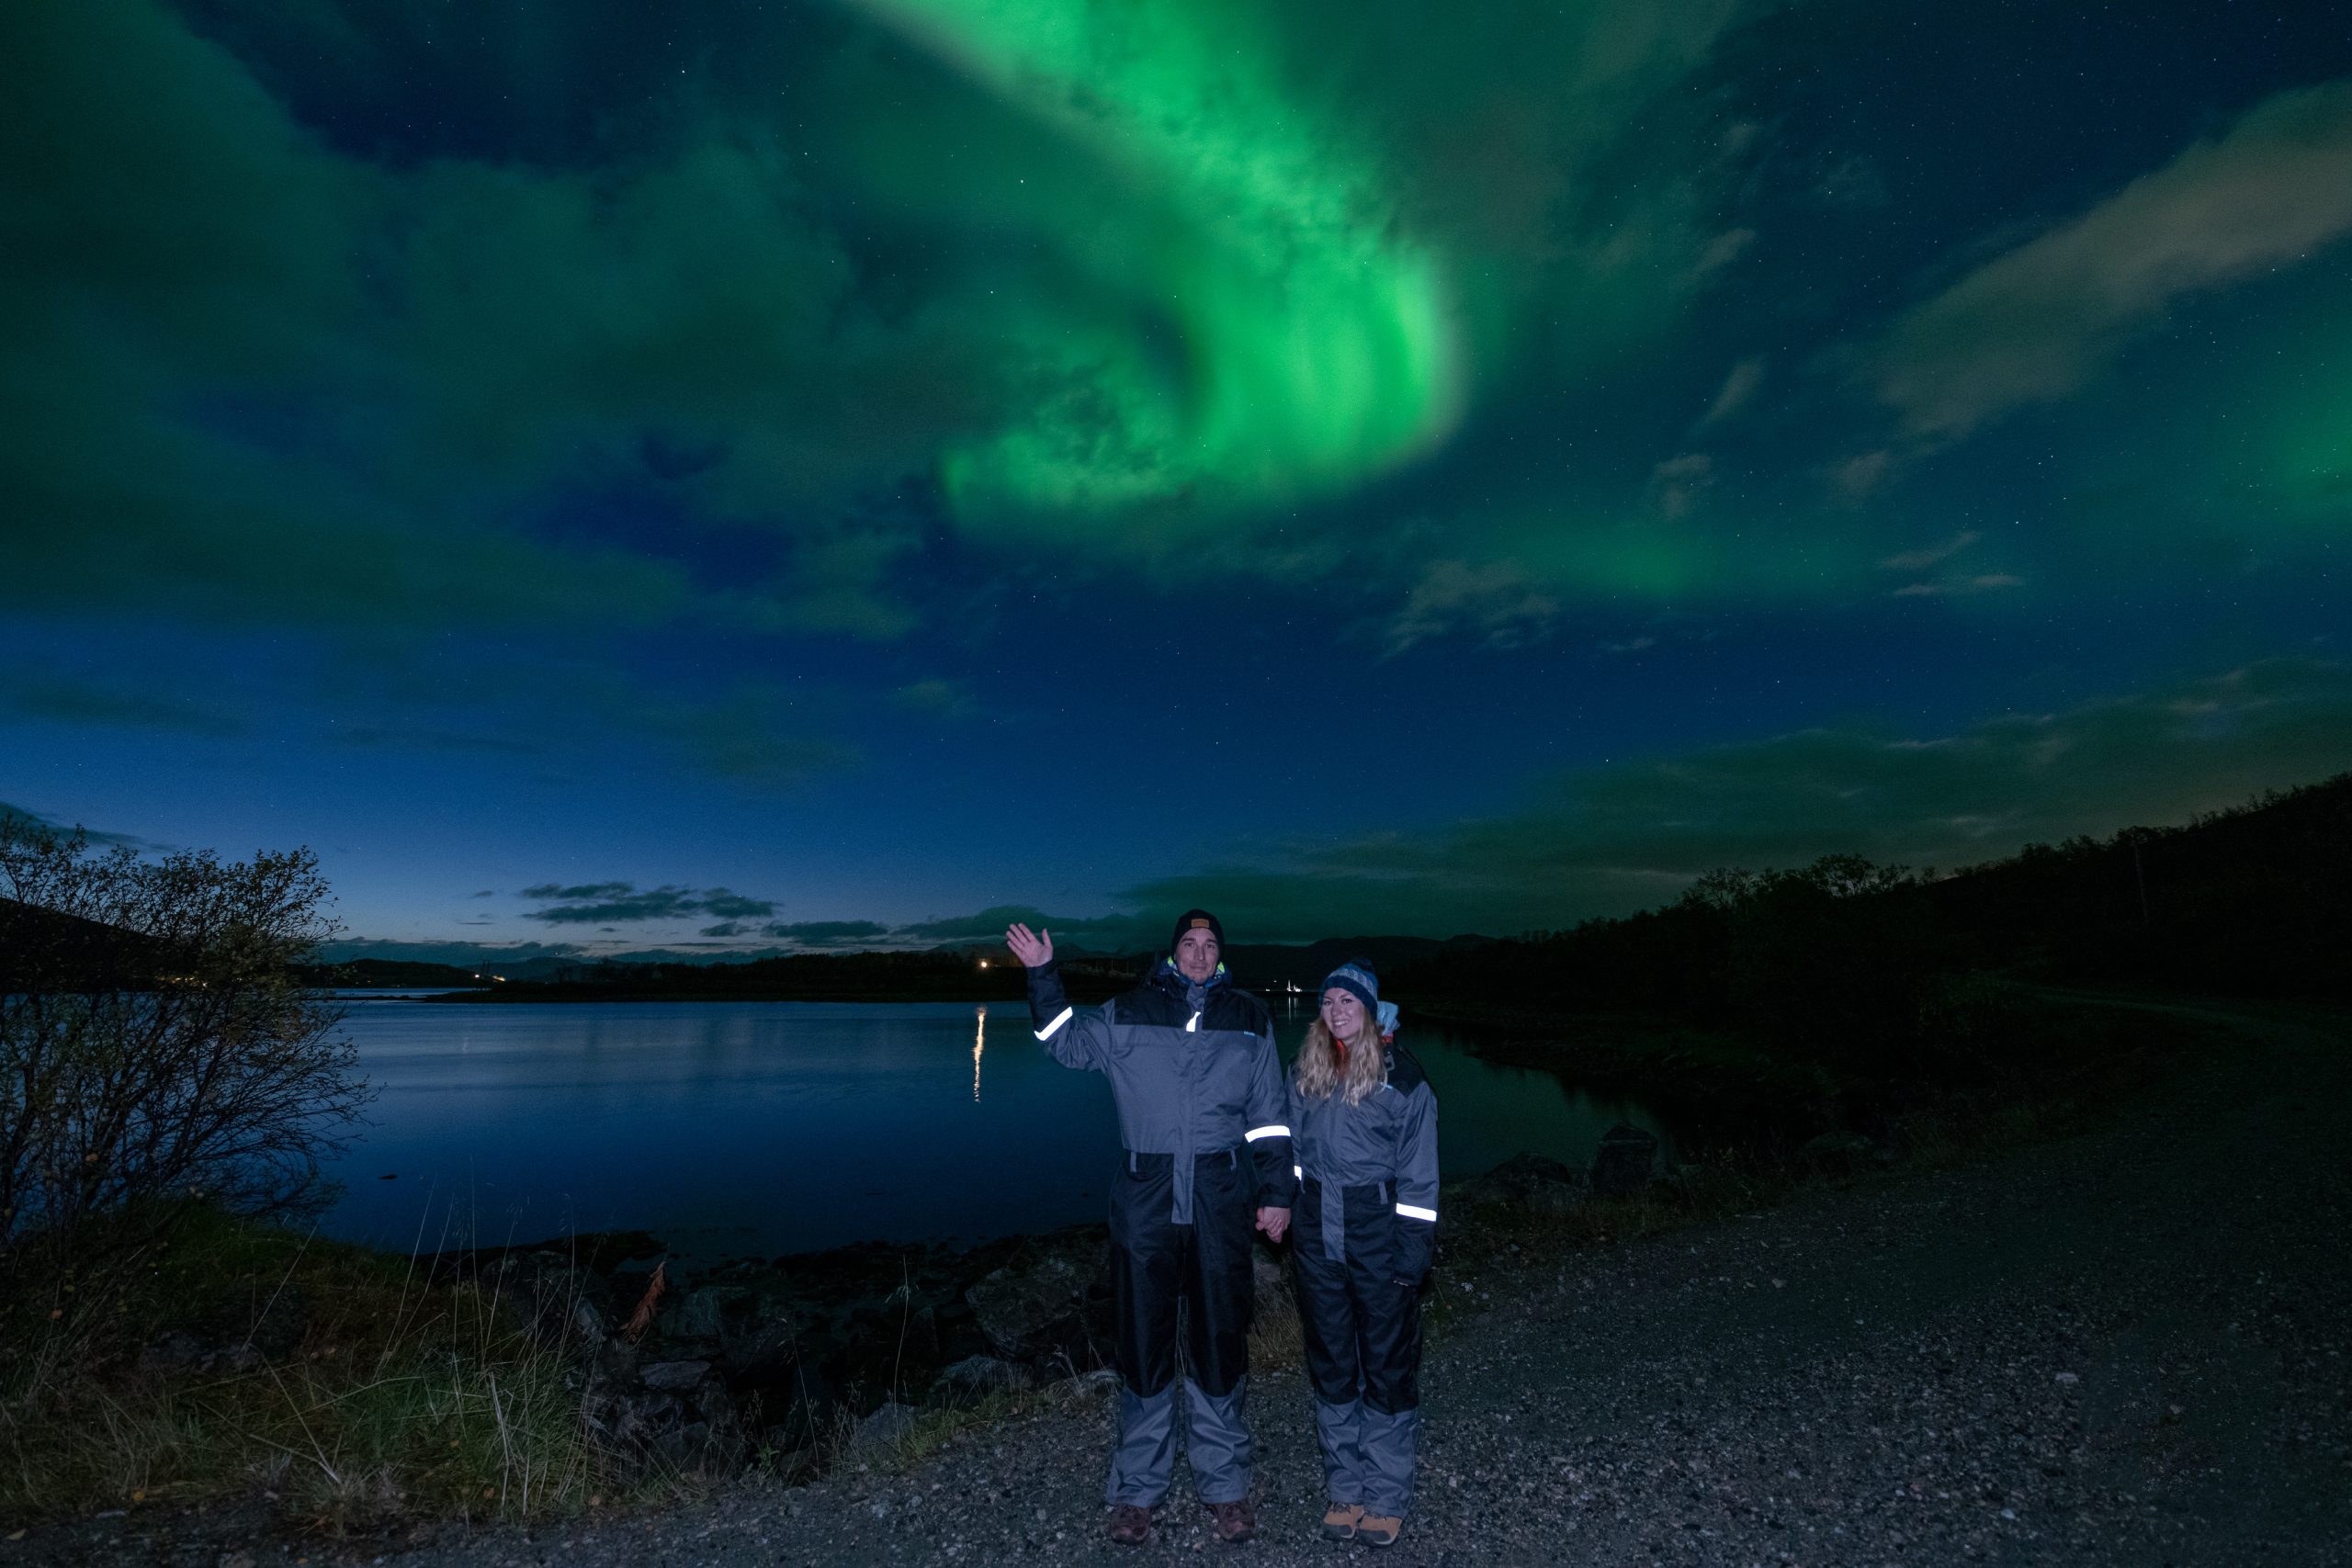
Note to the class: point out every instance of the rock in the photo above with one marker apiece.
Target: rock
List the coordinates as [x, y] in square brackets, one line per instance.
[976, 1377]
[1627, 1161]
[175, 1352]
[676, 1375]
[688, 1421]
[1837, 1151]
[886, 1426]
[707, 1314]
[1024, 1307]
[1529, 1181]
[1270, 1283]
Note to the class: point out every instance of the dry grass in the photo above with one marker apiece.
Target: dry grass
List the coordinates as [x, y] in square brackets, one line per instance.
[341, 1384]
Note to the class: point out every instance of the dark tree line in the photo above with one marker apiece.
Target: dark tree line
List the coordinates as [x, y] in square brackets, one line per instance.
[1877, 970]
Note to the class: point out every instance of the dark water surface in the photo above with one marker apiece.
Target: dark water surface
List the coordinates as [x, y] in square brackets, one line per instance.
[734, 1129]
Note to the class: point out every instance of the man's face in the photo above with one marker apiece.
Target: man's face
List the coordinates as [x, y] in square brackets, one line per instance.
[1196, 954]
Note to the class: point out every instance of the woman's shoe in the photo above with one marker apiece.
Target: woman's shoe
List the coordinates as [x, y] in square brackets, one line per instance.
[1339, 1524]
[1377, 1530]
[1128, 1525]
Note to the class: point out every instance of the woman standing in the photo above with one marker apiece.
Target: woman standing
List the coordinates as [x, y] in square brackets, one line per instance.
[1365, 1125]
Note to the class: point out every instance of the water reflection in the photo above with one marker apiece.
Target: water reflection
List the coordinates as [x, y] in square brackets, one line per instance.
[775, 1127]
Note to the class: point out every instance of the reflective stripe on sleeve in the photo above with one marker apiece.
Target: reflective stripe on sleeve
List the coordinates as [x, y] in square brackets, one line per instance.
[1047, 1032]
[1270, 1130]
[1415, 1212]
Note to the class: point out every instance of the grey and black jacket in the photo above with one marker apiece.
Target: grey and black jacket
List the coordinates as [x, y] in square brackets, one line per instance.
[1381, 1149]
[1186, 1083]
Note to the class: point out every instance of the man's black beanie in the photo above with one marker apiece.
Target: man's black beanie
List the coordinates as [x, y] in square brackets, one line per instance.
[1193, 919]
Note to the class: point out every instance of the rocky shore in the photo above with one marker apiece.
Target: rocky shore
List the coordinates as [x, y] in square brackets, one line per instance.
[793, 1364]
[2122, 1348]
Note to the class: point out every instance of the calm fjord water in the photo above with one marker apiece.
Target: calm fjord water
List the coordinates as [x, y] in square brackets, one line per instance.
[735, 1129]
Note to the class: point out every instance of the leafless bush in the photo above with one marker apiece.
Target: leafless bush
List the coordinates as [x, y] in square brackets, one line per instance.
[155, 1042]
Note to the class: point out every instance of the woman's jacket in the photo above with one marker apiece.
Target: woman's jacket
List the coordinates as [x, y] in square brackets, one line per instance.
[1381, 1150]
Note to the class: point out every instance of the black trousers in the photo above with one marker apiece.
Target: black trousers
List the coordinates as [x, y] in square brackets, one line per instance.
[1206, 1265]
[1363, 1327]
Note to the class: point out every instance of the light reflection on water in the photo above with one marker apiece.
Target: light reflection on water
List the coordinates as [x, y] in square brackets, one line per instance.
[731, 1129]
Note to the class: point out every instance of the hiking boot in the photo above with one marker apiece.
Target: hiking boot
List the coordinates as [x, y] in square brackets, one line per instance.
[1378, 1529]
[1339, 1524]
[1233, 1522]
[1128, 1524]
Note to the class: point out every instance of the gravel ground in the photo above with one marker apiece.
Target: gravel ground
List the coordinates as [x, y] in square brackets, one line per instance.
[2127, 1347]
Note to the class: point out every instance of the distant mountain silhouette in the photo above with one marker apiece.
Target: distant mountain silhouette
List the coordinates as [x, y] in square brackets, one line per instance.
[44, 949]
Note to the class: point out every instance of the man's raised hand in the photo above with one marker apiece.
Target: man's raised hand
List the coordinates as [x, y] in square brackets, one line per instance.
[1034, 949]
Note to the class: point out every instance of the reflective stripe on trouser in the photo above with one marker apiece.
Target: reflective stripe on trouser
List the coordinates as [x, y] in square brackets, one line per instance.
[1363, 1334]
[1154, 1264]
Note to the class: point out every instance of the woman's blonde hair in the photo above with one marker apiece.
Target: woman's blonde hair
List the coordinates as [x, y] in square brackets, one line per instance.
[1321, 1073]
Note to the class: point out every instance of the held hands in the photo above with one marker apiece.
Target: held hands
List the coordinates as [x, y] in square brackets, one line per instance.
[1034, 949]
[1274, 1222]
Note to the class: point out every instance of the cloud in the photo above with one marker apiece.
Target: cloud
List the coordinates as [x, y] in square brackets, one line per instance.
[1920, 559]
[1609, 840]
[600, 903]
[2035, 325]
[1983, 583]
[1497, 600]
[1113, 930]
[18, 815]
[941, 698]
[1738, 388]
[830, 933]
[65, 701]
[1677, 484]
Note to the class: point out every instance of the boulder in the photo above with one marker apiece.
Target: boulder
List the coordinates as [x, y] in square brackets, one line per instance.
[887, 1426]
[1030, 1305]
[1627, 1161]
[678, 1413]
[1837, 1151]
[1531, 1182]
[976, 1377]
[675, 1376]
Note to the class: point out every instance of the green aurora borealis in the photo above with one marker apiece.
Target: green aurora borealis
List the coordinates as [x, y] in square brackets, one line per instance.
[1388, 466]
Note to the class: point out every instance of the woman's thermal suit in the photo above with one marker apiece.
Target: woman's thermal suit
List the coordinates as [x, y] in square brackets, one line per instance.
[1200, 1096]
[1361, 1235]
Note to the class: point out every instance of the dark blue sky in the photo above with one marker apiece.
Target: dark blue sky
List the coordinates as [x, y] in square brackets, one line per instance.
[741, 476]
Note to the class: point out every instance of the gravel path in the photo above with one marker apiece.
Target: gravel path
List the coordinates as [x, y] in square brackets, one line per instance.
[2127, 1347]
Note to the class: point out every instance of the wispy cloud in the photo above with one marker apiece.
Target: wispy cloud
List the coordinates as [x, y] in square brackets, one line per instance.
[1920, 559]
[1497, 601]
[1739, 387]
[1613, 838]
[1983, 583]
[2035, 324]
[17, 814]
[67, 701]
[605, 903]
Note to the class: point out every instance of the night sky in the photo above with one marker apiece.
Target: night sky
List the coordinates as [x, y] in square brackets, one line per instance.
[739, 477]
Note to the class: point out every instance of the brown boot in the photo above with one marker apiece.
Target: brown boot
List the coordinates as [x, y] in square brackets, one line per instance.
[1128, 1524]
[1339, 1524]
[1233, 1522]
[1377, 1530]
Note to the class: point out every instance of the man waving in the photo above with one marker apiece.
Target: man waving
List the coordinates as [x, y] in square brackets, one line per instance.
[1201, 1102]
